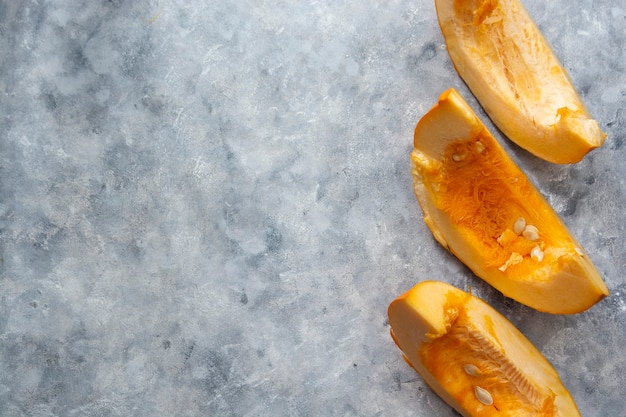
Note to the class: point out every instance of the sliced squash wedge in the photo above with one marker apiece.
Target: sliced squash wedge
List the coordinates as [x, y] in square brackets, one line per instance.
[474, 358]
[502, 56]
[482, 207]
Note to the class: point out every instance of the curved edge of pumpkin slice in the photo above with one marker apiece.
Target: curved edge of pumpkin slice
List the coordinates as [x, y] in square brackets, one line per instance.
[473, 195]
[511, 69]
[476, 360]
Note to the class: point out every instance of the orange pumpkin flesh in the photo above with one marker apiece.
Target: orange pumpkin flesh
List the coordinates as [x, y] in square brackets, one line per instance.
[473, 357]
[504, 59]
[472, 194]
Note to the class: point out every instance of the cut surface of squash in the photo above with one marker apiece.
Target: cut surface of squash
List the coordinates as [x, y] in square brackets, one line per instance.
[473, 357]
[482, 207]
[502, 56]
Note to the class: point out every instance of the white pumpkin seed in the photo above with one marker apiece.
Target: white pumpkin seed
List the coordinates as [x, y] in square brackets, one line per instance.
[531, 233]
[519, 226]
[480, 147]
[483, 395]
[471, 370]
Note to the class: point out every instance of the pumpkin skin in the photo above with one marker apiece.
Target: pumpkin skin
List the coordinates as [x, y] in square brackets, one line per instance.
[474, 358]
[472, 194]
[504, 59]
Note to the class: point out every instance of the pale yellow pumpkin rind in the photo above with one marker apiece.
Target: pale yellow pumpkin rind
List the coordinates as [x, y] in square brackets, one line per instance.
[523, 378]
[504, 59]
[565, 282]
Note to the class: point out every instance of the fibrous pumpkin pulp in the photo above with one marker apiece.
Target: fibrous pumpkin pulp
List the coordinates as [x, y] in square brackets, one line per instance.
[503, 57]
[473, 357]
[482, 207]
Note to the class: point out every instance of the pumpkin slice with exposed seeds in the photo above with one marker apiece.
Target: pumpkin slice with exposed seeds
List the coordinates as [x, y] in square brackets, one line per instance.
[473, 357]
[481, 206]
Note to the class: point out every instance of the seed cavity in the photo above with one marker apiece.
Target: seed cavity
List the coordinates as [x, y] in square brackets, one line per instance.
[519, 226]
[537, 254]
[471, 369]
[531, 233]
[483, 395]
[496, 367]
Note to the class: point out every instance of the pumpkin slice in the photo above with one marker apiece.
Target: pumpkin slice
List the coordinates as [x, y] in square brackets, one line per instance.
[473, 357]
[504, 59]
[482, 207]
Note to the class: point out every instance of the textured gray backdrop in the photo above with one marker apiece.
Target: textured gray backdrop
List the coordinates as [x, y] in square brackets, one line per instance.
[206, 206]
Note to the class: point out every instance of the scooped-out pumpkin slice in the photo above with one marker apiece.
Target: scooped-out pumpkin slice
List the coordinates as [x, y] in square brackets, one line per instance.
[511, 69]
[474, 358]
[480, 206]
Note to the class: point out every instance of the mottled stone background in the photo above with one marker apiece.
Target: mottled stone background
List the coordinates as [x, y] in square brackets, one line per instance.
[206, 206]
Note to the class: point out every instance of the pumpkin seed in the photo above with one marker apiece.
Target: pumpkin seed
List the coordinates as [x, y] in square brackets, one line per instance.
[480, 147]
[483, 395]
[471, 370]
[531, 233]
[519, 226]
